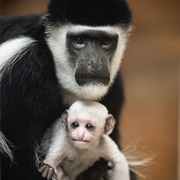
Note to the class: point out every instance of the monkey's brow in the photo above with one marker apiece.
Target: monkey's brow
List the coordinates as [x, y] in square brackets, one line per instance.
[92, 34]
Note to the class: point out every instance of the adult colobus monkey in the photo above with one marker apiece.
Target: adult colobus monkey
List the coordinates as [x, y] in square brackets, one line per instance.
[48, 61]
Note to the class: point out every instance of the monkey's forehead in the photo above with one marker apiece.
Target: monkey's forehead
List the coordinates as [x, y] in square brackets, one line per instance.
[89, 12]
[83, 28]
[90, 110]
[87, 105]
[92, 118]
[64, 29]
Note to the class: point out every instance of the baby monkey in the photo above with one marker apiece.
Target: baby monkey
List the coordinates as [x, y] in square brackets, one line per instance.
[77, 140]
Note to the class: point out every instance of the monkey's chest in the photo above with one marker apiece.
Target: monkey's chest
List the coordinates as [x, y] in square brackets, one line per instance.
[75, 166]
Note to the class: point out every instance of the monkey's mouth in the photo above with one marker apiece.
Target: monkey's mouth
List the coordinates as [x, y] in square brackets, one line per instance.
[83, 141]
[85, 79]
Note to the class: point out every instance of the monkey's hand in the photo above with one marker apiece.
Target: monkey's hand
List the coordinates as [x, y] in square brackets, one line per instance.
[60, 173]
[46, 170]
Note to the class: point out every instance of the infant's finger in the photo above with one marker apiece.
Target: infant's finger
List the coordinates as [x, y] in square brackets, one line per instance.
[41, 169]
[50, 173]
[45, 172]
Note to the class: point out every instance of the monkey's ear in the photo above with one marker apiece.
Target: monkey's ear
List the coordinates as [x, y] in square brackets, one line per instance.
[109, 125]
[64, 119]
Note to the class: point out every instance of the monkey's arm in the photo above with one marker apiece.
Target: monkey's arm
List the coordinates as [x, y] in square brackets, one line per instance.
[56, 153]
[50, 167]
[111, 153]
[57, 144]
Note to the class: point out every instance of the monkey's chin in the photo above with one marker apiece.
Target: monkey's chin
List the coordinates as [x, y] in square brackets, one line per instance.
[92, 91]
[81, 144]
[87, 92]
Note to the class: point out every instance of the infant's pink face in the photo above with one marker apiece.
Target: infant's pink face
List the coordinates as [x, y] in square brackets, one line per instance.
[82, 130]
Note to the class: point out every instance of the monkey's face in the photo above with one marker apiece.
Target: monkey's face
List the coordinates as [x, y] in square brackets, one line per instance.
[91, 53]
[87, 59]
[83, 132]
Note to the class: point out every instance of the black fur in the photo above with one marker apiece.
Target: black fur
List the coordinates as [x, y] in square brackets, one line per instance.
[89, 12]
[30, 102]
[26, 25]
[30, 95]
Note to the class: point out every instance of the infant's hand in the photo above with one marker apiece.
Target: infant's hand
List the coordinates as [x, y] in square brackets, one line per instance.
[46, 170]
[60, 174]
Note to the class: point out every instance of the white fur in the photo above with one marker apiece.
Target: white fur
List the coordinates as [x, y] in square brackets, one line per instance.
[57, 43]
[138, 157]
[9, 54]
[74, 160]
[111, 152]
[85, 108]
[10, 51]
[4, 146]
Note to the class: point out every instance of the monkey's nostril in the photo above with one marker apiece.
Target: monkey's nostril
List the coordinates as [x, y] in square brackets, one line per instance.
[94, 68]
[80, 136]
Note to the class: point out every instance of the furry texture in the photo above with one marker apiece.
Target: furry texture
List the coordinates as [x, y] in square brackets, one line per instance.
[57, 38]
[98, 111]
[17, 26]
[5, 146]
[11, 51]
[29, 103]
[63, 150]
[89, 12]
[31, 95]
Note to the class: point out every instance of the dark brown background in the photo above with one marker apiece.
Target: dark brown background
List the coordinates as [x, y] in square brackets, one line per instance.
[150, 70]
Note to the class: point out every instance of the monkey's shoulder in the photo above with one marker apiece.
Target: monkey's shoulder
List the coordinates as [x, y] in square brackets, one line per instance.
[21, 25]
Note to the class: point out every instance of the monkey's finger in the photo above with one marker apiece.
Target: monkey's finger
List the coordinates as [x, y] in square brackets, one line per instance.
[50, 173]
[54, 177]
[45, 172]
[39, 163]
[41, 169]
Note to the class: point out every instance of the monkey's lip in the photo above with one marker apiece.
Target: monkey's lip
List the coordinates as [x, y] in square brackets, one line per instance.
[82, 80]
[78, 140]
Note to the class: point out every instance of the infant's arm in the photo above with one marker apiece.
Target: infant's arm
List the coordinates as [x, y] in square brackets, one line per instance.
[111, 152]
[50, 166]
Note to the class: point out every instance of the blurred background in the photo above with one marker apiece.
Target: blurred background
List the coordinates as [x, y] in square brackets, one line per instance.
[150, 69]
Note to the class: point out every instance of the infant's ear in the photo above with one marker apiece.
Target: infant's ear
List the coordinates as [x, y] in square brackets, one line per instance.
[109, 125]
[64, 120]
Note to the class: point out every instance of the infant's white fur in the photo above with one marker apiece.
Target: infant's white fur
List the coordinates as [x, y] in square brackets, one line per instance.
[69, 158]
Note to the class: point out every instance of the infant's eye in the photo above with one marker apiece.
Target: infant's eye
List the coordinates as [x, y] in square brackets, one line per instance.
[74, 125]
[89, 127]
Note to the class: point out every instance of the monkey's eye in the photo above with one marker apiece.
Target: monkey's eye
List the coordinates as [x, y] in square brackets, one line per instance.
[106, 43]
[74, 125]
[79, 41]
[89, 127]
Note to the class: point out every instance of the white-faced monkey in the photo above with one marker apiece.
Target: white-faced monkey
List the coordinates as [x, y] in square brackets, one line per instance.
[78, 139]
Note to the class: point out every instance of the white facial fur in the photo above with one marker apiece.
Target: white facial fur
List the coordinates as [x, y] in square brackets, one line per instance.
[57, 43]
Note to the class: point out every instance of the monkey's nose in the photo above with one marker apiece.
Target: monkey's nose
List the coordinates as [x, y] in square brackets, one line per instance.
[81, 135]
[94, 67]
